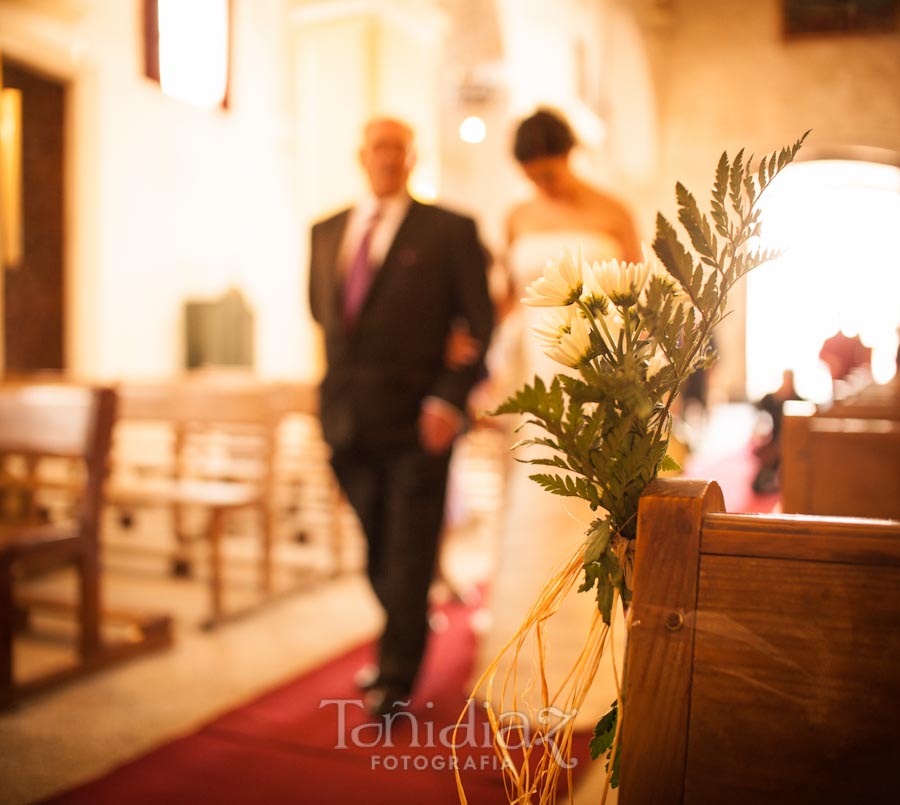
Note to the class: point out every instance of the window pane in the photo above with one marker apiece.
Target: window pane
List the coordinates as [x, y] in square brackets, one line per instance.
[193, 50]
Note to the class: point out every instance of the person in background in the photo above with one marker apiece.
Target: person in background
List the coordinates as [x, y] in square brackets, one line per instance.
[389, 280]
[768, 452]
[845, 356]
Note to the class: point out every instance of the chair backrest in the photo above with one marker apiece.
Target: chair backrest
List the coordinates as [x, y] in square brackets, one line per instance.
[286, 398]
[61, 421]
[199, 428]
[762, 657]
[195, 402]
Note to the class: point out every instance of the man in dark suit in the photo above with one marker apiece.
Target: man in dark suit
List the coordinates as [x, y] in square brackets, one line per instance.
[390, 279]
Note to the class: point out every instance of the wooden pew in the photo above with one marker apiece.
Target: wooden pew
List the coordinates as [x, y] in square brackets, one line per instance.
[205, 423]
[875, 401]
[833, 465]
[306, 495]
[216, 449]
[763, 656]
[68, 426]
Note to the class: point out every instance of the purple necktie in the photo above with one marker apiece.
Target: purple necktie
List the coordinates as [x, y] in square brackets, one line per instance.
[359, 275]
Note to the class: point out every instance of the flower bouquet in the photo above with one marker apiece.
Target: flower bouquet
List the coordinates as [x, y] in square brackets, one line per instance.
[630, 335]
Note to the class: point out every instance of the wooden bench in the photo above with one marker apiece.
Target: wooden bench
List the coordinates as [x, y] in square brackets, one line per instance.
[875, 401]
[214, 447]
[763, 659]
[839, 466]
[306, 497]
[70, 426]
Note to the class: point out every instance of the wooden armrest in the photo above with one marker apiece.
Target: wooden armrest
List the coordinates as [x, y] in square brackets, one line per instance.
[20, 540]
[218, 494]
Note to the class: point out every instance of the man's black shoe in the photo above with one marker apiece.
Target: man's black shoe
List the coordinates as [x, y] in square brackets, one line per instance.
[367, 677]
[384, 700]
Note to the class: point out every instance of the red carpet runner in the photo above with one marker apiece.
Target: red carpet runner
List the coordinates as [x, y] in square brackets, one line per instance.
[310, 742]
[734, 472]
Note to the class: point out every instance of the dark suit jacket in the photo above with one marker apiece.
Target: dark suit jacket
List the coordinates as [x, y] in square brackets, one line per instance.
[377, 376]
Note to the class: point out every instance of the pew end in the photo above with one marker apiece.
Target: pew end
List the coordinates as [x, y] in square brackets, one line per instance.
[762, 655]
[835, 465]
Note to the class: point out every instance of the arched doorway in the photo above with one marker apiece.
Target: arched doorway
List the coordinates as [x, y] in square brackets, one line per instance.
[836, 222]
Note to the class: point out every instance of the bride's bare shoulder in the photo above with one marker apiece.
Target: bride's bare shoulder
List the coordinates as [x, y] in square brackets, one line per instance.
[617, 218]
[610, 204]
[525, 217]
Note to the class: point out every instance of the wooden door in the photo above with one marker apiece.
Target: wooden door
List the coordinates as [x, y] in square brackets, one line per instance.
[34, 293]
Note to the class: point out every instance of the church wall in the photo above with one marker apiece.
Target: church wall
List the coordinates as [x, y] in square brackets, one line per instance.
[167, 201]
[727, 79]
[349, 63]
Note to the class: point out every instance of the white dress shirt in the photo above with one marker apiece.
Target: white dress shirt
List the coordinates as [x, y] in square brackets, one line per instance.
[391, 211]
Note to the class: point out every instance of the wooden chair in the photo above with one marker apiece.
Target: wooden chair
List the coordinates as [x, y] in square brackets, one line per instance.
[58, 422]
[763, 656]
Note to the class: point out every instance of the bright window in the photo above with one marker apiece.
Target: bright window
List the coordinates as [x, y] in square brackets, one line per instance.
[836, 222]
[188, 49]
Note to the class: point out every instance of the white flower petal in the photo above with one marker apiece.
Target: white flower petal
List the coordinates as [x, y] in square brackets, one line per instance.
[564, 335]
[592, 294]
[560, 284]
[552, 326]
[622, 282]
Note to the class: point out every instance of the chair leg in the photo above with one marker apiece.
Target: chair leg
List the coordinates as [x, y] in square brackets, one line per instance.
[336, 533]
[182, 561]
[89, 609]
[215, 564]
[6, 633]
[265, 570]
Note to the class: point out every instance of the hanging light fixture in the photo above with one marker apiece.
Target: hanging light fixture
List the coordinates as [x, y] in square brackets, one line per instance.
[472, 130]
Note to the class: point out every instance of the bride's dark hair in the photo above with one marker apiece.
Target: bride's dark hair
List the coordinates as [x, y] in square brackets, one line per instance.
[543, 134]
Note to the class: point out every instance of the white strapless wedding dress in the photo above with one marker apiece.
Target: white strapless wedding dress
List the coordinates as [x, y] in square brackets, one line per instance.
[541, 530]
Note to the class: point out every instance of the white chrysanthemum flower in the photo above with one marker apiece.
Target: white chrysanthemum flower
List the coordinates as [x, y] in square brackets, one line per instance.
[564, 335]
[552, 325]
[560, 285]
[592, 294]
[622, 282]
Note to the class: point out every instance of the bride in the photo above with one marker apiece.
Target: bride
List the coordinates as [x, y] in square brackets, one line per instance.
[540, 530]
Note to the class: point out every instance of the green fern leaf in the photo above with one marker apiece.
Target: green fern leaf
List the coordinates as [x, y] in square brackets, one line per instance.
[605, 732]
[671, 253]
[735, 179]
[669, 464]
[555, 461]
[750, 184]
[695, 223]
[720, 188]
[709, 296]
